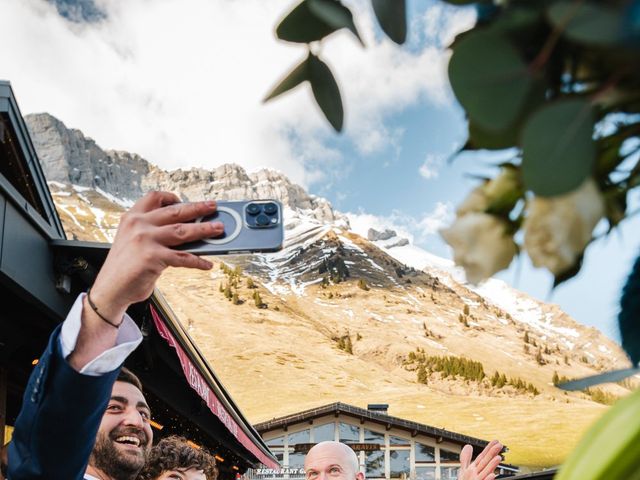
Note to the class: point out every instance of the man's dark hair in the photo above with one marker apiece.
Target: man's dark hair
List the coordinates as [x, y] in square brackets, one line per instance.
[127, 376]
[173, 453]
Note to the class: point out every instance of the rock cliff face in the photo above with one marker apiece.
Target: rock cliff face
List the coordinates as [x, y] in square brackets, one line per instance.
[67, 156]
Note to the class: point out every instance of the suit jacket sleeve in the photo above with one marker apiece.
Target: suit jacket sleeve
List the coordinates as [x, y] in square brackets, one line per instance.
[57, 425]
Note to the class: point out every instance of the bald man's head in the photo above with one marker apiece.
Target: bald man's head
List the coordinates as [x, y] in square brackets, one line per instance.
[332, 461]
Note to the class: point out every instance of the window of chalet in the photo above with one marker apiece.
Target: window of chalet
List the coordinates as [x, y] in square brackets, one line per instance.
[426, 473]
[276, 442]
[399, 463]
[449, 457]
[350, 433]
[302, 436]
[399, 441]
[322, 433]
[448, 473]
[373, 437]
[375, 464]
[425, 453]
[296, 460]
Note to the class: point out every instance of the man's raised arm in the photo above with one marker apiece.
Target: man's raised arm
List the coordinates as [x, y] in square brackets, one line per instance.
[68, 390]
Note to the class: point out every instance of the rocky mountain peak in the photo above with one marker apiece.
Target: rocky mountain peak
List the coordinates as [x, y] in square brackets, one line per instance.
[68, 156]
[386, 238]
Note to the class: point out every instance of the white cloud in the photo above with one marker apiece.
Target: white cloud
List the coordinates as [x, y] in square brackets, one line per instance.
[182, 85]
[430, 169]
[417, 229]
[361, 222]
[430, 223]
[440, 23]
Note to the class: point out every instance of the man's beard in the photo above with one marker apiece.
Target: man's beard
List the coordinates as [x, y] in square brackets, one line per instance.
[117, 464]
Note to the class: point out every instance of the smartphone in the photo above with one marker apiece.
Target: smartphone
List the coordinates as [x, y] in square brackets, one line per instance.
[250, 226]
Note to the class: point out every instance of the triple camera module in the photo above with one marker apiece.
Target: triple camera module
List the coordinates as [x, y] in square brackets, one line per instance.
[261, 215]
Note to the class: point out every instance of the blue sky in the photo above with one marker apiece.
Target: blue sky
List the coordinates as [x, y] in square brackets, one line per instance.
[182, 86]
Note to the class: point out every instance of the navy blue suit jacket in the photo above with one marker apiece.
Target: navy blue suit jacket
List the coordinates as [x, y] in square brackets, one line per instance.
[57, 425]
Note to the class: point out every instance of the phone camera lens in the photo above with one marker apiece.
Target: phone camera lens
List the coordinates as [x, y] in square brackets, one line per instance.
[253, 209]
[262, 220]
[270, 208]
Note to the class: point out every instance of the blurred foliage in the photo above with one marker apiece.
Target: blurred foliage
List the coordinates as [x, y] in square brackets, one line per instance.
[554, 82]
[557, 84]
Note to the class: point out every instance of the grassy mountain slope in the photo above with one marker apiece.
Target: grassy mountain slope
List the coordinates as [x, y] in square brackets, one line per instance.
[346, 322]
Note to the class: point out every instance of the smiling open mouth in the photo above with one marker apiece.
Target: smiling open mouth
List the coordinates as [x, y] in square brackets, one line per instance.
[128, 440]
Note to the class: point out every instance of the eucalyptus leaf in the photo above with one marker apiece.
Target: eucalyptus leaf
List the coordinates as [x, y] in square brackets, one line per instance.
[335, 14]
[302, 25]
[392, 17]
[294, 78]
[326, 92]
[516, 19]
[490, 79]
[588, 23]
[558, 147]
[480, 139]
[630, 313]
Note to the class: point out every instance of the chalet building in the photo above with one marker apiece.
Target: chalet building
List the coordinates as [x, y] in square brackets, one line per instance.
[41, 273]
[387, 447]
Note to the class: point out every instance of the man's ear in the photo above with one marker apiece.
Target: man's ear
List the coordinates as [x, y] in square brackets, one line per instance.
[359, 476]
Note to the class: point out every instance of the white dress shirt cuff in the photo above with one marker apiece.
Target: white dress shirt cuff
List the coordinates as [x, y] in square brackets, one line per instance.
[128, 339]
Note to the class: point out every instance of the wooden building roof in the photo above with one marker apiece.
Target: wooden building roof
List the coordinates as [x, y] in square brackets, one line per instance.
[387, 421]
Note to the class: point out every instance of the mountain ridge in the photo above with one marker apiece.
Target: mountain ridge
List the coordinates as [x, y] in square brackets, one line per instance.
[348, 318]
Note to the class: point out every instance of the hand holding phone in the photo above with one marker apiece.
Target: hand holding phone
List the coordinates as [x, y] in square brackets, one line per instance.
[250, 226]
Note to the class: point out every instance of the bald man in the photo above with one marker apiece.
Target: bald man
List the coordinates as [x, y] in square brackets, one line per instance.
[337, 461]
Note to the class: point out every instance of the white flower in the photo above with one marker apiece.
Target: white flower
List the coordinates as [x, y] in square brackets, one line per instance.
[497, 192]
[476, 201]
[557, 229]
[481, 245]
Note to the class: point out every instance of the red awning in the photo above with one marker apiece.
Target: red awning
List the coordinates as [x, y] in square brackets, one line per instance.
[199, 384]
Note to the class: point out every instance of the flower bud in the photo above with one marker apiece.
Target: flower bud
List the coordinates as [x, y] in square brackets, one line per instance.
[558, 229]
[481, 245]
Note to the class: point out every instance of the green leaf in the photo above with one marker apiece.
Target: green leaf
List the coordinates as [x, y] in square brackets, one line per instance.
[558, 147]
[480, 139]
[516, 19]
[490, 79]
[392, 16]
[335, 14]
[301, 25]
[326, 92]
[588, 22]
[293, 79]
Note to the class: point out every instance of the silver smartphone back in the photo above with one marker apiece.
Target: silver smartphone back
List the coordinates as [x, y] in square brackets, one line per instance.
[250, 226]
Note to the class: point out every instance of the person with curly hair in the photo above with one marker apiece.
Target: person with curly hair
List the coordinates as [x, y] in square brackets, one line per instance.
[173, 458]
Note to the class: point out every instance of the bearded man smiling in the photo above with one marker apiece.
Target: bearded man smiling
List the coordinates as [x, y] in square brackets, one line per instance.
[124, 437]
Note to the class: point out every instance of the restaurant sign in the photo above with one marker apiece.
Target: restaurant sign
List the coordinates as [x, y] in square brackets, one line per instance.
[277, 472]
